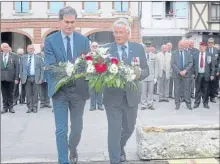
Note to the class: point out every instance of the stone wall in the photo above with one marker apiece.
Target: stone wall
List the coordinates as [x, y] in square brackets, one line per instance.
[174, 142]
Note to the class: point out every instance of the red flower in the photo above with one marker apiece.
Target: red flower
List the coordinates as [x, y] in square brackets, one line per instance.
[114, 61]
[100, 68]
[88, 57]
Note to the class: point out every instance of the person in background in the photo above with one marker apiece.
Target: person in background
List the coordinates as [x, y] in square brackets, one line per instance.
[182, 63]
[9, 77]
[44, 98]
[147, 85]
[162, 73]
[19, 86]
[204, 72]
[213, 84]
[171, 85]
[193, 51]
[95, 97]
[31, 74]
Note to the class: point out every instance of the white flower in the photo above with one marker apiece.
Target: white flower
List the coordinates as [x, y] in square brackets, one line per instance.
[90, 68]
[131, 77]
[78, 60]
[89, 62]
[113, 69]
[102, 51]
[69, 68]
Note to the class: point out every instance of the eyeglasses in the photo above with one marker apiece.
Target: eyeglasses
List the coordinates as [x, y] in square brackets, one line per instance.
[95, 46]
[211, 42]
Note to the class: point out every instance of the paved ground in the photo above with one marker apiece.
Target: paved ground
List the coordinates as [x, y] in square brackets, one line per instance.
[31, 137]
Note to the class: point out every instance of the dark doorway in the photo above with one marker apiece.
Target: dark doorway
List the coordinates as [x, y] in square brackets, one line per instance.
[101, 37]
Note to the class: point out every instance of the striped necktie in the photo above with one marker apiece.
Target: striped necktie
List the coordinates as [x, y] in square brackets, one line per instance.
[5, 60]
[124, 54]
[68, 50]
[29, 66]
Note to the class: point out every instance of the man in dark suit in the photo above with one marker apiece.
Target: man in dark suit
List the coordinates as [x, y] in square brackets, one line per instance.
[44, 98]
[193, 51]
[19, 89]
[62, 46]
[181, 63]
[121, 105]
[204, 71]
[213, 84]
[31, 74]
[9, 77]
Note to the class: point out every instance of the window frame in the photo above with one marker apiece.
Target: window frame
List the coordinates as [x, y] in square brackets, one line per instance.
[48, 6]
[30, 7]
[210, 12]
[113, 6]
[99, 7]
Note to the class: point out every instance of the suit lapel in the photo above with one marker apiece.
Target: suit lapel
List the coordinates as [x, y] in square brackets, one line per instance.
[130, 55]
[114, 52]
[75, 46]
[9, 59]
[62, 48]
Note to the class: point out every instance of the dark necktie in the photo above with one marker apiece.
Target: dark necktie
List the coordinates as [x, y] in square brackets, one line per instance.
[210, 50]
[29, 66]
[124, 54]
[68, 50]
[181, 59]
[201, 61]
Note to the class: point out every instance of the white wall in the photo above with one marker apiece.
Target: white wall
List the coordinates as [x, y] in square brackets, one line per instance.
[39, 10]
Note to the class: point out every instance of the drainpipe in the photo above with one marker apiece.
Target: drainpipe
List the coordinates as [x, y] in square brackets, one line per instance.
[139, 20]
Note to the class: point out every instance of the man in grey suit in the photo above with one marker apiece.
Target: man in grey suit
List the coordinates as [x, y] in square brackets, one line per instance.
[182, 62]
[213, 85]
[204, 72]
[121, 105]
[9, 77]
[147, 85]
[62, 46]
[31, 74]
[193, 51]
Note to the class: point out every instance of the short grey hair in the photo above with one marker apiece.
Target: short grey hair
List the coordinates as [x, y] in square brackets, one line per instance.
[20, 51]
[122, 21]
[67, 11]
[211, 39]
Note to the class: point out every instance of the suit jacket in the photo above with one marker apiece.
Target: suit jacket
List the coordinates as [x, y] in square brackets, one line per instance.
[11, 72]
[54, 52]
[193, 50]
[151, 64]
[38, 69]
[160, 59]
[209, 67]
[175, 64]
[114, 96]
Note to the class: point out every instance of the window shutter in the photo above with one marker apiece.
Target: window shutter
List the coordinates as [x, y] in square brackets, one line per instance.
[157, 9]
[181, 9]
[25, 6]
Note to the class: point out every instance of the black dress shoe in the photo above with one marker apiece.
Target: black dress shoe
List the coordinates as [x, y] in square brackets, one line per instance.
[212, 100]
[189, 106]
[42, 106]
[161, 100]
[151, 107]
[5, 110]
[11, 110]
[196, 106]
[166, 100]
[177, 106]
[123, 155]
[74, 158]
[100, 108]
[34, 110]
[48, 106]
[29, 110]
[143, 108]
[206, 106]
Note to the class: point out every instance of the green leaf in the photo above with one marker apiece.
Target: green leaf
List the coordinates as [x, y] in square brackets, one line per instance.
[118, 82]
[98, 85]
[61, 83]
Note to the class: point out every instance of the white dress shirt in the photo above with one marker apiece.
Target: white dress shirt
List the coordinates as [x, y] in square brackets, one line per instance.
[202, 70]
